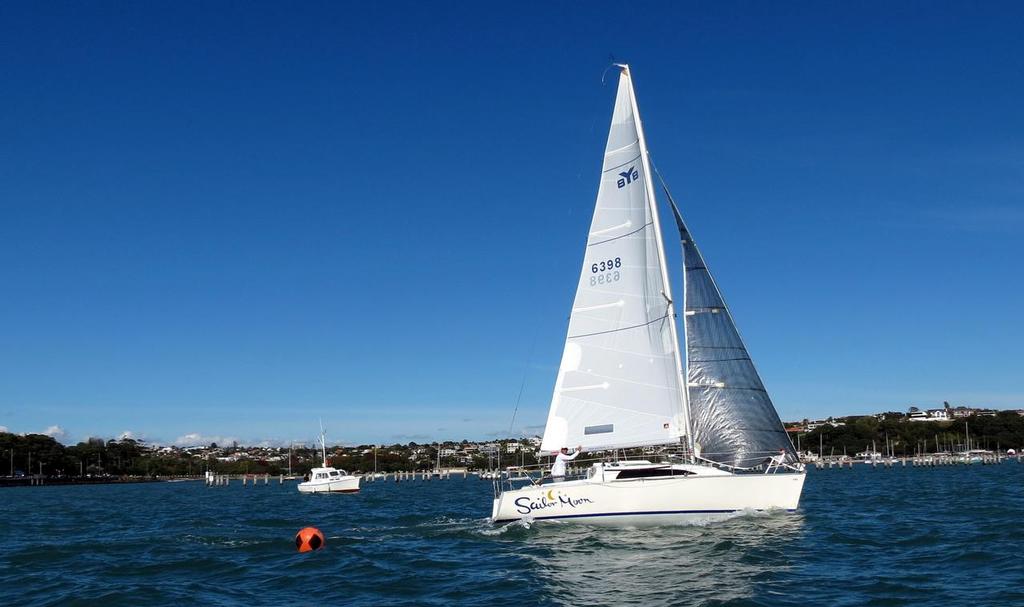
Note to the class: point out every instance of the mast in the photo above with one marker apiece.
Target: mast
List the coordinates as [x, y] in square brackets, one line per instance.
[323, 443]
[652, 204]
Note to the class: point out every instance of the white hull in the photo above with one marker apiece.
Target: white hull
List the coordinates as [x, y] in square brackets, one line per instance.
[651, 501]
[346, 484]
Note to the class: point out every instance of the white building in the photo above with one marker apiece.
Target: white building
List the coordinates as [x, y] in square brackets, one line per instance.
[812, 425]
[931, 415]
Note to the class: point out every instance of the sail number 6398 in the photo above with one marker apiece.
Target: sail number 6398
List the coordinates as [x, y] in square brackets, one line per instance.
[603, 266]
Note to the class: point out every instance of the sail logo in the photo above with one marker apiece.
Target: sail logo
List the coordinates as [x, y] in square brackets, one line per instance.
[526, 505]
[628, 176]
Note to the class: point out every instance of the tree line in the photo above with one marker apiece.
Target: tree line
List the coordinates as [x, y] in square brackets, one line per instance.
[1004, 430]
[33, 454]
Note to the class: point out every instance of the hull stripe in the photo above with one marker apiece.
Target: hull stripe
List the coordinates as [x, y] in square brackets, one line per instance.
[601, 514]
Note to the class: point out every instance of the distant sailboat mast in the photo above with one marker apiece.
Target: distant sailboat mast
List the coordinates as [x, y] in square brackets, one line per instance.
[323, 442]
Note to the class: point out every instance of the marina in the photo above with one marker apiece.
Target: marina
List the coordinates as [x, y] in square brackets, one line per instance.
[513, 473]
[918, 461]
[220, 480]
[535, 474]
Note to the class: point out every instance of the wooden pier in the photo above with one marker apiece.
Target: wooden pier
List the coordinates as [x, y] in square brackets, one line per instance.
[829, 463]
[932, 461]
[422, 475]
[222, 480]
[253, 480]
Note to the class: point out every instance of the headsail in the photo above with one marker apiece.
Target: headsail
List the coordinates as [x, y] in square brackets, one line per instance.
[619, 384]
[733, 418]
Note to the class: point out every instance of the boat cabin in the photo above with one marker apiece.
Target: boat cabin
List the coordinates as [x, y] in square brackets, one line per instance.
[322, 474]
[645, 470]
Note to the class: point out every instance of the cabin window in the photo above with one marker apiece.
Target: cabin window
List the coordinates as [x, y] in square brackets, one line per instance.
[651, 472]
[334, 474]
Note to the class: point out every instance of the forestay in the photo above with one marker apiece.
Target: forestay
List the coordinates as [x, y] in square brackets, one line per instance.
[733, 418]
[618, 383]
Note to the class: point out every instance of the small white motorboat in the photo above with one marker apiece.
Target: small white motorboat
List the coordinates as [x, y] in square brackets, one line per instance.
[327, 479]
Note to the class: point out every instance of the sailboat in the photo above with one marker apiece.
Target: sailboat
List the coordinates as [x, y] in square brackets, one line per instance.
[623, 382]
[291, 476]
[327, 479]
[376, 474]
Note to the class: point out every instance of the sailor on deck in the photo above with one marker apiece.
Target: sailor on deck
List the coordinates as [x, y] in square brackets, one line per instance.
[558, 468]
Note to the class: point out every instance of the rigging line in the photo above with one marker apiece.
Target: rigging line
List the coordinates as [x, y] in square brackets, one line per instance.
[683, 232]
[640, 229]
[612, 62]
[522, 384]
[650, 322]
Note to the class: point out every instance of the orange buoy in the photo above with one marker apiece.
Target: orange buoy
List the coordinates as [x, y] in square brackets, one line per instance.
[308, 539]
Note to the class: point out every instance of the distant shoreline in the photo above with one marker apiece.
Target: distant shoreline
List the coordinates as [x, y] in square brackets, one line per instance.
[30, 481]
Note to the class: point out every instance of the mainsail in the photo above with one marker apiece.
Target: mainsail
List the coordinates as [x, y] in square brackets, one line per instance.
[732, 416]
[619, 381]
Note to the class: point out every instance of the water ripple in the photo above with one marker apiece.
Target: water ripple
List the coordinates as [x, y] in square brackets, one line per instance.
[862, 537]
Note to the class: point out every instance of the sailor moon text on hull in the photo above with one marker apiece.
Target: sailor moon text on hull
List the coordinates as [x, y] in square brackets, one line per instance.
[627, 380]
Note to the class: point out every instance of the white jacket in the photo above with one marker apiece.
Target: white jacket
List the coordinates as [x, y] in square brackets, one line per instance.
[558, 468]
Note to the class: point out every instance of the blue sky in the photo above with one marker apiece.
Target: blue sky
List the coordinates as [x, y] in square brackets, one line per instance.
[228, 220]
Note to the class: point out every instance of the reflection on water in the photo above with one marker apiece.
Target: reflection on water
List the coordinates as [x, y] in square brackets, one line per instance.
[697, 563]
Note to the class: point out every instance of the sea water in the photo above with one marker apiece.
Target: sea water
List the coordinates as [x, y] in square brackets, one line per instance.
[901, 536]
